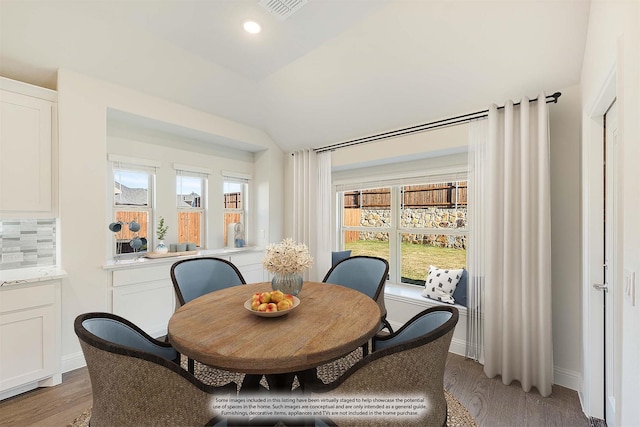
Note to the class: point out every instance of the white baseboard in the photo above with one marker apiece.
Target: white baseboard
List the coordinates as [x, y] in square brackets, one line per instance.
[18, 390]
[567, 378]
[73, 361]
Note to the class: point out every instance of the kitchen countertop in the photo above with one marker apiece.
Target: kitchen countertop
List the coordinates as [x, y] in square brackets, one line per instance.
[142, 261]
[19, 276]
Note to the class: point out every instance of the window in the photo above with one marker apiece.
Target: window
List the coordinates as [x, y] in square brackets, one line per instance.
[191, 204]
[367, 221]
[132, 204]
[411, 224]
[235, 189]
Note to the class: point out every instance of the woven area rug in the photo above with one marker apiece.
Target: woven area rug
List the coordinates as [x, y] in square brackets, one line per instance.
[457, 414]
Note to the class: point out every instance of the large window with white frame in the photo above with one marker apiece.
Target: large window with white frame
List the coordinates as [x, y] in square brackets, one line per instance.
[236, 197]
[191, 190]
[411, 222]
[133, 193]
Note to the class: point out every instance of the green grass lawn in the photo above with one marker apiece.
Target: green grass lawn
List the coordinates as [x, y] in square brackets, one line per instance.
[415, 258]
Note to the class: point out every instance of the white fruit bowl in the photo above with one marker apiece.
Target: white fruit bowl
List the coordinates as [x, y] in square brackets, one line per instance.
[247, 305]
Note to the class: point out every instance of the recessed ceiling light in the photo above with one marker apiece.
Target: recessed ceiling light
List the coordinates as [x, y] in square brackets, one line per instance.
[251, 27]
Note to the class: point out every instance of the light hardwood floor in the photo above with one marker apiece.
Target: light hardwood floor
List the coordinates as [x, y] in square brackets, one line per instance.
[492, 403]
[489, 401]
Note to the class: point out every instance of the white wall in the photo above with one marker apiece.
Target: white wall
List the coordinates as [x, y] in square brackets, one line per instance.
[612, 49]
[564, 122]
[434, 149]
[83, 105]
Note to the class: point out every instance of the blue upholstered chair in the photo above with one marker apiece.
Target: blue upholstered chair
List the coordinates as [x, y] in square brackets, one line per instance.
[412, 362]
[136, 380]
[337, 256]
[195, 277]
[365, 274]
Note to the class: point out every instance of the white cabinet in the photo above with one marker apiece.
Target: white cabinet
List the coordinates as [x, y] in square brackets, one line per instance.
[30, 337]
[250, 265]
[145, 296]
[28, 145]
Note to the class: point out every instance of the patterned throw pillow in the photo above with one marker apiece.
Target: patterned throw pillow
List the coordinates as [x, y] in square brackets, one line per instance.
[441, 284]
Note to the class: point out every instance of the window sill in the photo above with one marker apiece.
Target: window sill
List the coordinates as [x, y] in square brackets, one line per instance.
[141, 261]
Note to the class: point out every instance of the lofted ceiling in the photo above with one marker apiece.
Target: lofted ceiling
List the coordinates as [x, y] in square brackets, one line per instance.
[333, 71]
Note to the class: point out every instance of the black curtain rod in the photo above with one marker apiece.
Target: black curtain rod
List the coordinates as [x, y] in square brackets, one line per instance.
[424, 127]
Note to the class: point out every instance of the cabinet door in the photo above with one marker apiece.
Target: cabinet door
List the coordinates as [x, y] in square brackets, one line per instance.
[27, 346]
[250, 265]
[25, 154]
[149, 305]
[145, 296]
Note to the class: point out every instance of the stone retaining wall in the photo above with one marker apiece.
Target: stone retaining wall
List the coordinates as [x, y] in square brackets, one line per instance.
[418, 218]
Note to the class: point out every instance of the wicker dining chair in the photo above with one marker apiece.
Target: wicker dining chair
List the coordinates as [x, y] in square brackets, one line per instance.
[408, 362]
[137, 381]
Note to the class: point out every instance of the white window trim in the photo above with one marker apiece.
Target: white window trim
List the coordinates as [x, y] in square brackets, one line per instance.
[236, 177]
[117, 161]
[394, 231]
[192, 169]
[133, 161]
[239, 178]
[202, 173]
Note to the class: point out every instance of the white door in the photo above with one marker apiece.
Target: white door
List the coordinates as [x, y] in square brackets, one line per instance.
[611, 296]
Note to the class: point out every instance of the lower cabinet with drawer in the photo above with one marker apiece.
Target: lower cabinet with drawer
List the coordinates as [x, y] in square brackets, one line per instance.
[30, 337]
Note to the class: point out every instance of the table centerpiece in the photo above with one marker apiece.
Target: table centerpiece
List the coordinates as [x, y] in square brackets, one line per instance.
[286, 261]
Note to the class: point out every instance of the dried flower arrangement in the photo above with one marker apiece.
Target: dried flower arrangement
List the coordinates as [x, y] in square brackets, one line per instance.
[287, 257]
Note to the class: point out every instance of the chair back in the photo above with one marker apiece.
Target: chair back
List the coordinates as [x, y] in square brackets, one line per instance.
[117, 331]
[195, 277]
[366, 274]
[136, 380]
[413, 362]
[420, 325]
[337, 256]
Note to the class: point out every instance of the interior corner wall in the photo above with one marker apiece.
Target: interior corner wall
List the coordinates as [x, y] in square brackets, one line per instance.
[269, 190]
[564, 124]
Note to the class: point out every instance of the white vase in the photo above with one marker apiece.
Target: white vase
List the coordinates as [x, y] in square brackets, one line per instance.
[161, 248]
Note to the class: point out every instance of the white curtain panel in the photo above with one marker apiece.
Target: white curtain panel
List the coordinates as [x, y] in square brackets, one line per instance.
[476, 249]
[517, 295]
[312, 208]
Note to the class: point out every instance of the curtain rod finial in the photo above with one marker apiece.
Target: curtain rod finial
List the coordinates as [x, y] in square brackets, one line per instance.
[556, 96]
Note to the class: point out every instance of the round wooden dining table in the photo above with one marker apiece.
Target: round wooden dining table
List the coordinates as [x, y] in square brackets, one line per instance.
[217, 330]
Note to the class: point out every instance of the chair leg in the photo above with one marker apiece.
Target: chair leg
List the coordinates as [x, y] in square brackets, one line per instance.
[250, 383]
[387, 325]
[191, 365]
[309, 376]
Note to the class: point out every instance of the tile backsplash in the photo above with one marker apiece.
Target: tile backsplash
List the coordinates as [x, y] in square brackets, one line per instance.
[27, 243]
